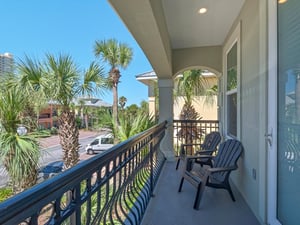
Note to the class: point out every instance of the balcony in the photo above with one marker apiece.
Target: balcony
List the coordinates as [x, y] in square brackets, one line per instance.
[131, 183]
[168, 206]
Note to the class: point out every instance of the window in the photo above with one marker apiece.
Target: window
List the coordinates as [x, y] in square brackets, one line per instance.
[288, 113]
[95, 142]
[231, 72]
[107, 140]
[231, 91]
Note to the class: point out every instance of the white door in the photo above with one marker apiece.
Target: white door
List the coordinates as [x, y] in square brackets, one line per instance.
[284, 113]
[271, 135]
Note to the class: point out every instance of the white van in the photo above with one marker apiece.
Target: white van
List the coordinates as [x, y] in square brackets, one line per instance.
[100, 143]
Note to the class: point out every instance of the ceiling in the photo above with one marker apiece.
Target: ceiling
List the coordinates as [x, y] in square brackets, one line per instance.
[172, 32]
[196, 29]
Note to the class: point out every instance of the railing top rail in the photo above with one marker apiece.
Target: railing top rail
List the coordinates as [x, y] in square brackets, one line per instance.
[196, 121]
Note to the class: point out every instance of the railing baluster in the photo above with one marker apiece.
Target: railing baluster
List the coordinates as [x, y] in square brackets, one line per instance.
[192, 131]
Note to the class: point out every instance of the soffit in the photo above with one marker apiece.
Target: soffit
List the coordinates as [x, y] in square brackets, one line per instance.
[187, 28]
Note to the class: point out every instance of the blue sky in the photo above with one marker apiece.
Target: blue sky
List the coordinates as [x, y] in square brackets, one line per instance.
[35, 27]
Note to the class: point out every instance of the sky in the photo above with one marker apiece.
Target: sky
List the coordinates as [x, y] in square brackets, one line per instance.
[35, 27]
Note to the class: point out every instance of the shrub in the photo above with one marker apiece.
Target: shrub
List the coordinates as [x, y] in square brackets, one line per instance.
[53, 131]
[5, 193]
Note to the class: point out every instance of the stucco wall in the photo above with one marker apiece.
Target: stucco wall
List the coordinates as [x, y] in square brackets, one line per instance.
[252, 112]
[207, 111]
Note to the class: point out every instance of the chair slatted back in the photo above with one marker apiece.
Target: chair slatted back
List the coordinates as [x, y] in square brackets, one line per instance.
[211, 141]
[227, 156]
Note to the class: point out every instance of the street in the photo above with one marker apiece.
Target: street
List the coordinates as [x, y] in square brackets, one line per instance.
[48, 155]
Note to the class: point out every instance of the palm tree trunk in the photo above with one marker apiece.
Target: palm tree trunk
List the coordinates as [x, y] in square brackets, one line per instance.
[69, 135]
[86, 119]
[115, 104]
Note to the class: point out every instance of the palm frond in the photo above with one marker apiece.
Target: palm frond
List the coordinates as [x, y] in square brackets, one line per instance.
[94, 81]
[20, 156]
[62, 78]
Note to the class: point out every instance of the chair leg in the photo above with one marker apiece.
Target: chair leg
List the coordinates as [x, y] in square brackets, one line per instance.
[180, 185]
[197, 199]
[200, 190]
[178, 161]
[230, 192]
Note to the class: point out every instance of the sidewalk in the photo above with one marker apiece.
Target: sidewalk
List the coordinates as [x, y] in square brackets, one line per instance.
[54, 140]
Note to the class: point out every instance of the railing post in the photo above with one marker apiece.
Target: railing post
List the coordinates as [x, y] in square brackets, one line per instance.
[151, 169]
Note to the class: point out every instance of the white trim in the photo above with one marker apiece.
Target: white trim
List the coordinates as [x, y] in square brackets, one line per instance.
[234, 38]
[272, 112]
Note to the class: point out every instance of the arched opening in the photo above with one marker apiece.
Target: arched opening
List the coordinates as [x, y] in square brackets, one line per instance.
[201, 93]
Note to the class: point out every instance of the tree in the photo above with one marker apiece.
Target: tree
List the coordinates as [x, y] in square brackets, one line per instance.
[144, 106]
[132, 124]
[19, 152]
[61, 82]
[116, 54]
[191, 83]
[32, 86]
[122, 101]
[81, 104]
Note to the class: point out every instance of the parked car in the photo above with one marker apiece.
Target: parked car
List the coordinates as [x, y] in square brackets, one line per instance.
[51, 169]
[100, 143]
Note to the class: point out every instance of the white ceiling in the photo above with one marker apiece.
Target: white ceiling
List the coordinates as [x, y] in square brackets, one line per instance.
[187, 28]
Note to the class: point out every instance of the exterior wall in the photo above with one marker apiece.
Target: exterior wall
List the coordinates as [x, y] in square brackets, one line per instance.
[250, 178]
[208, 57]
[152, 107]
[205, 110]
[46, 119]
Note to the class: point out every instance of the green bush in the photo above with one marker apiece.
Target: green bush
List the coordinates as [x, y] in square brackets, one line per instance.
[5, 193]
[53, 131]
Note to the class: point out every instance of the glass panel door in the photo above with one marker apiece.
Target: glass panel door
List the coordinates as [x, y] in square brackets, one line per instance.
[288, 139]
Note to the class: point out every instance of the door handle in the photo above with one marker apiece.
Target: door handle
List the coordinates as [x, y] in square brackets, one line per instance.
[269, 137]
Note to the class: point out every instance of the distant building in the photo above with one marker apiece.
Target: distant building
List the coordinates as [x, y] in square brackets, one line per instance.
[48, 116]
[6, 63]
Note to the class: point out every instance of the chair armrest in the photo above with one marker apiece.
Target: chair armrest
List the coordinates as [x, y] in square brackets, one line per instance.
[189, 161]
[183, 150]
[199, 157]
[221, 169]
[201, 152]
[194, 144]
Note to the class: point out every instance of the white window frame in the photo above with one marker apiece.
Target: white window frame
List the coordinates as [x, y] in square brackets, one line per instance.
[233, 39]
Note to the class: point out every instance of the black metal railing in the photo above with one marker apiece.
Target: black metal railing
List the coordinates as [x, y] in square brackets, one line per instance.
[192, 131]
[111, 188]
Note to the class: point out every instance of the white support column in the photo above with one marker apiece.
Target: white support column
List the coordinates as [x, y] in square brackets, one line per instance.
[166, 113]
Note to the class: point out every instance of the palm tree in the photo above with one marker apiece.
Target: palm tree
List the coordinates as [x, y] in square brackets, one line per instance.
[122, 101]
[81, 104]
[116, 54]
[60, 82]
[19, 153]
[191, 83]
[32, 86]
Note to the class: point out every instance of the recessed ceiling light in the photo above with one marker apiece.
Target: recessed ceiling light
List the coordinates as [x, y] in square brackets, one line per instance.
[282, 1]
[202, 10]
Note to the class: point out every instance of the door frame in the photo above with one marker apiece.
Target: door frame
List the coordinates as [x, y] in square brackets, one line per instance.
[271, 136]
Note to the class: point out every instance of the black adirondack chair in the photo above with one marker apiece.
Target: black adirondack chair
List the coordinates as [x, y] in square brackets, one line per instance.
[216, 176]
[208, 147]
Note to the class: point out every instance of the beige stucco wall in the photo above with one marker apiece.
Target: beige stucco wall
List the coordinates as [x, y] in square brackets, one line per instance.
[253, 107]
[207, 111]
[209, 57]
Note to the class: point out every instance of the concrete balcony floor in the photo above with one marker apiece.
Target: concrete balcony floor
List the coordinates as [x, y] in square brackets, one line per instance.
[169, 207]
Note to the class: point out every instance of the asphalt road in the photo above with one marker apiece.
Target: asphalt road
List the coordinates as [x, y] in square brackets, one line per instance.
[49, 155]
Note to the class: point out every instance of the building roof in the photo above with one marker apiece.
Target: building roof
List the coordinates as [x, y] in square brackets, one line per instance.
[148, 78]
[89, 101]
